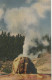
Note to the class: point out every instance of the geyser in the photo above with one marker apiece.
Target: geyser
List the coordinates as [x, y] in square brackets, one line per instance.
[23, 65]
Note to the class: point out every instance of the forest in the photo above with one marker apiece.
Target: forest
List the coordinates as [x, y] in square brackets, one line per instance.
[12, 46]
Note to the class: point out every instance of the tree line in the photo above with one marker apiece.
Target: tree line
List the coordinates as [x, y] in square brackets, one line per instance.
[12, 46]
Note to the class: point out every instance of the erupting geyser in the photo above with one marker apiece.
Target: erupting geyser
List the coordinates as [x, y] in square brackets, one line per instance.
[23, 65]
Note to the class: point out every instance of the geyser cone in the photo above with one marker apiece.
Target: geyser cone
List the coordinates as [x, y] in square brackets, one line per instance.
[23, 65]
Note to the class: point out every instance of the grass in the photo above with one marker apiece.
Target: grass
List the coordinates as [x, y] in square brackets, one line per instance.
[6, 66]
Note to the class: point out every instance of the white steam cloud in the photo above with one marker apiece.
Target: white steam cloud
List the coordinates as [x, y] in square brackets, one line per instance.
[45, 42]
[1, 13]
[28, 1]
[24, 20]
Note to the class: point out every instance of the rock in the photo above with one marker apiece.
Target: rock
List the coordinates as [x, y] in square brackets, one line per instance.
[23, 65]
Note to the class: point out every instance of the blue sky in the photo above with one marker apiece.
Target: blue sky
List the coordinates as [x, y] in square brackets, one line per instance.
[33, 13]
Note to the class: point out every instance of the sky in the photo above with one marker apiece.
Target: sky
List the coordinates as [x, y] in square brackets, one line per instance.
[21, 16]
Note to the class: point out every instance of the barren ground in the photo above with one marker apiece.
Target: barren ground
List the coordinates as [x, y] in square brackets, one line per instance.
[26, 77]
[43, 65]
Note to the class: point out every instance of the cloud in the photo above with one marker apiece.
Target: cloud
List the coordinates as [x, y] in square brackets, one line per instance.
[41, 7]
[28, 1]
[24, 20]
[45, 43]
[18, 19]
[46, 2]
[26, 16]
[1, 13]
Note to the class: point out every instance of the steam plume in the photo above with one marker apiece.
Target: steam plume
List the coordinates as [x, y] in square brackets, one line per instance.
[24, 20]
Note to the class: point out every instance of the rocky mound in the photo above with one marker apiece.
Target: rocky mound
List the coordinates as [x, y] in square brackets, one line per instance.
[23, 65]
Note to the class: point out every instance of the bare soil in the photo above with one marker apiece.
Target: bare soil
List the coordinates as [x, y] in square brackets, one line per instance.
[26, 77]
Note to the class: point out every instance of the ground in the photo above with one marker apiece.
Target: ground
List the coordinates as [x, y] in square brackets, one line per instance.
[43, 65]
[26, 77]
